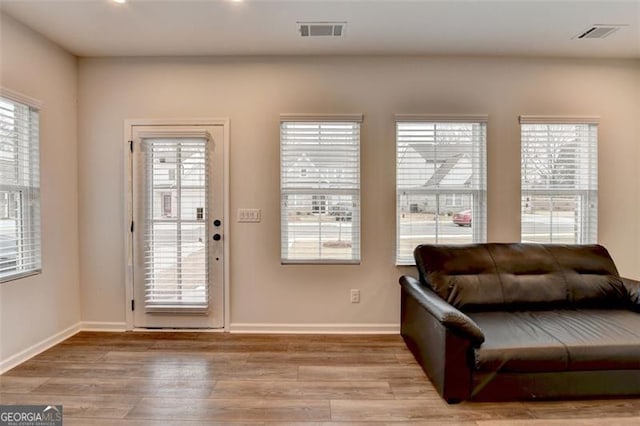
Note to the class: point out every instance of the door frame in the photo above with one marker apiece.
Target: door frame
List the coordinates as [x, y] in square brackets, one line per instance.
[128, 207]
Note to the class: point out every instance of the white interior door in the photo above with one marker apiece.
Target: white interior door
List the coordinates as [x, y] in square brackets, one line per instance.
[177, 229]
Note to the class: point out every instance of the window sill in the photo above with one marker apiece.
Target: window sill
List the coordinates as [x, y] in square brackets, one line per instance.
[21, 275]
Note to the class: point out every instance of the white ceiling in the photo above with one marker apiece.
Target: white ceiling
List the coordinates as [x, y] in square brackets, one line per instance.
[267, 27]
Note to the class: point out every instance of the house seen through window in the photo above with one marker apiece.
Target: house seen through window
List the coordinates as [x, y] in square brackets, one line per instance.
[320, 190]
[441, 182]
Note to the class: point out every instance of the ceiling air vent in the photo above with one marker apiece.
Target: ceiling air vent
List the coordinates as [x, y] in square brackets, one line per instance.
[321, 29]
[599, 31]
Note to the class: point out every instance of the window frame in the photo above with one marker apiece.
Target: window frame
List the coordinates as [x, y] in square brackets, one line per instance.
[479, 196]
[29, 210]
[320, 196]
[585, 232]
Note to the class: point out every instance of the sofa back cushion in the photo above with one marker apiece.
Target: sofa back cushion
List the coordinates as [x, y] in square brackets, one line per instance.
[462, 275]
[521, 276]
[528, 274]
[592, 277]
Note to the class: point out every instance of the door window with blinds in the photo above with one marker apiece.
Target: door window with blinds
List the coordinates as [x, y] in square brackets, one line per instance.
[559, 180]
[320, 189]
[20, 252]
[176, 179]
[441, 181]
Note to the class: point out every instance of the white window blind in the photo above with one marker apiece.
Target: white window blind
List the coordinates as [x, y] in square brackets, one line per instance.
[320, 189]
[441, 182]
[20, 239]
[176, 213]
[559, 180]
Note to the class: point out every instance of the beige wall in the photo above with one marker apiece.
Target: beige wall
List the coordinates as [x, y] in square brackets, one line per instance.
[35, 308]
[252, 92]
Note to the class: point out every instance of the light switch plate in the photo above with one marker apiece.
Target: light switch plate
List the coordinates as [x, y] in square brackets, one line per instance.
[248, 215]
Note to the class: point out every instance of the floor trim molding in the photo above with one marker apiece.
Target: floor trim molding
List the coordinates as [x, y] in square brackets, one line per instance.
[315, 328]
[39, 347]
[102, 326]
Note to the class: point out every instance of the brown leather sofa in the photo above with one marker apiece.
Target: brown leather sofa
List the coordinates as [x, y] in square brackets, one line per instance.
[522, 321]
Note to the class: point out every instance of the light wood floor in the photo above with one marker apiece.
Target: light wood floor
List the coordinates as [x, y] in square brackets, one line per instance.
[141, 378]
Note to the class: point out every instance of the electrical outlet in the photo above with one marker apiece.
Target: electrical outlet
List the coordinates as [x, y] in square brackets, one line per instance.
[248, 215]
[355, 295]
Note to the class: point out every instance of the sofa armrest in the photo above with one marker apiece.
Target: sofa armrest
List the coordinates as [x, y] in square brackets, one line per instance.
[442, 311]
[633, 289]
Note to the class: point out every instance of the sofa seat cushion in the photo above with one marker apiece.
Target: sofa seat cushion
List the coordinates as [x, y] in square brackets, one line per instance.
[514, 343]
[559, 340]
[596, 339]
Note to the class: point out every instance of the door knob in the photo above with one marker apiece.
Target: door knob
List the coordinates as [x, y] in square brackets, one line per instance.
[217, 237]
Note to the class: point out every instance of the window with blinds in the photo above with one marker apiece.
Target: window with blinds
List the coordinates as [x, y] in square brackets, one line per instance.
[559, 180]
[176, 212]
[20, 252]
[320, 189]
[440, 182]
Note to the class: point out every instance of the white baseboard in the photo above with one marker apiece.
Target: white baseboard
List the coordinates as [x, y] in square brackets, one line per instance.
[180, 330]
[102, 326]
[315, 328]
[30, 352]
